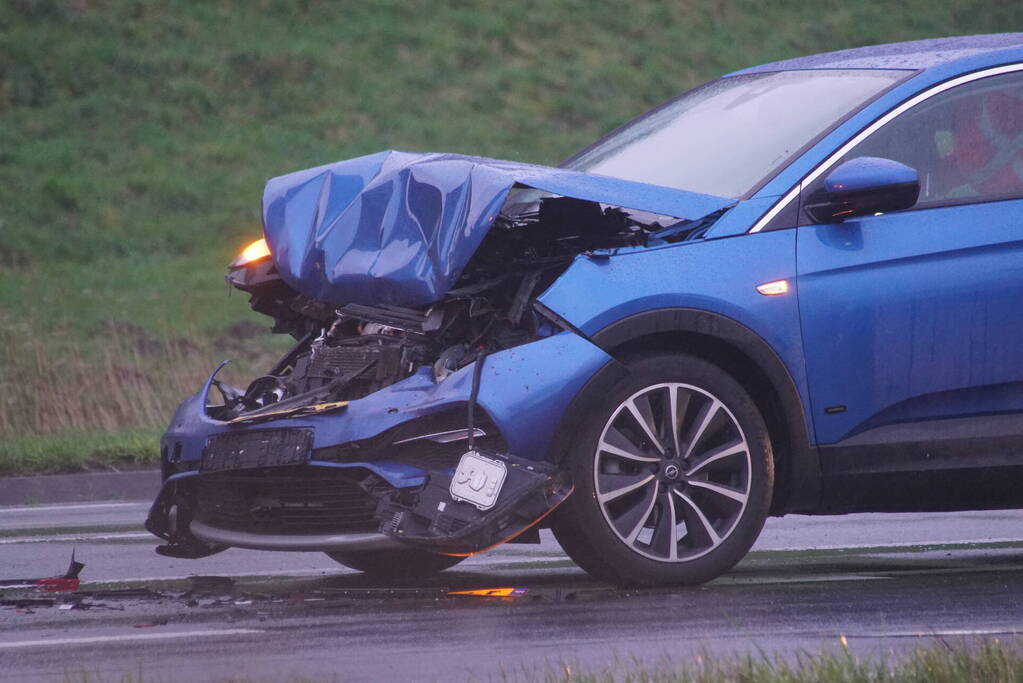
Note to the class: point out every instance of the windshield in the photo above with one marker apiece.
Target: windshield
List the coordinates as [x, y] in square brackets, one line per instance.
[727, 136]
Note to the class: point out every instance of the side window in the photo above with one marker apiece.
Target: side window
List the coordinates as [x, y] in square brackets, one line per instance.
[966, 144]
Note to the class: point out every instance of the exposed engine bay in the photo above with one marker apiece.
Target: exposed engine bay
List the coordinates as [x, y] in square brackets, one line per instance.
[347, 352]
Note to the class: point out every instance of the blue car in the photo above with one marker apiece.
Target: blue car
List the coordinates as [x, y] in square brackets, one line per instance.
[795, 289]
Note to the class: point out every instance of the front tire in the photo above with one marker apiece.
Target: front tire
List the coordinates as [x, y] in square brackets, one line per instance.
[674, 475]
[400, 563]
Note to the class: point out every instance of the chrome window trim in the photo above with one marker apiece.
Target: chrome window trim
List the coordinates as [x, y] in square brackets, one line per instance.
[782, 203]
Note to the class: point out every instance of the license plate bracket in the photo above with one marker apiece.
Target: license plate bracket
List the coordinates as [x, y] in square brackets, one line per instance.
[256, 449]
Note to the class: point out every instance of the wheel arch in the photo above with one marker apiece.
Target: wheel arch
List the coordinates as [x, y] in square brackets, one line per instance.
[741, 353]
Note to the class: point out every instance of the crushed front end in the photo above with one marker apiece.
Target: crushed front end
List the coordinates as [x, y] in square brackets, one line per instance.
[331, 475]
[418, 405]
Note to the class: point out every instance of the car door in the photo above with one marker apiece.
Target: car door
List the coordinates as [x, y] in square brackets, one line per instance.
[912, 321]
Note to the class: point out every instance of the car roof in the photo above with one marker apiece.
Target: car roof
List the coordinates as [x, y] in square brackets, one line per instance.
[916, 54]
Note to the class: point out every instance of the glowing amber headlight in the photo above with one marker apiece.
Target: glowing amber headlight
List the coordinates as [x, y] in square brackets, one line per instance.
[257, 251]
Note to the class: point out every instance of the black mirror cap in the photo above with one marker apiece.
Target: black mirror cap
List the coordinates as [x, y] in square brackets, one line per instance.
[864, 186]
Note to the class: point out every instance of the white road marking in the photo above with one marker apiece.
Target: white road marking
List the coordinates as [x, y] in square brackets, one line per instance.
[69, 538]
[72, 506]
[935, 634]
[335, 570]
[50, 642]
[801, 578]
[882, 546]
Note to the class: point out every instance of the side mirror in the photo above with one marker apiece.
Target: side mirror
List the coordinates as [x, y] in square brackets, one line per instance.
[864, 186]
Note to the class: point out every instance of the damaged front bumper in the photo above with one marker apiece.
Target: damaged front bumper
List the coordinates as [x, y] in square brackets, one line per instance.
[376, 472]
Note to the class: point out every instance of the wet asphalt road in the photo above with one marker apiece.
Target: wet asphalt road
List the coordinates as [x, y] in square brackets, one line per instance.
[885, 582]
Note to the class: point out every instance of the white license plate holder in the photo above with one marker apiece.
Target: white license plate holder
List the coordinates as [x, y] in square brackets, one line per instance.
[478, 480]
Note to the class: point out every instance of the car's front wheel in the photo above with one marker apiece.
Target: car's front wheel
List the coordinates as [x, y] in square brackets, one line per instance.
[400, 563]
[673, 475]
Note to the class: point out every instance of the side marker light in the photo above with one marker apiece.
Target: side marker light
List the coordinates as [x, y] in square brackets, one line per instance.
[774, 288]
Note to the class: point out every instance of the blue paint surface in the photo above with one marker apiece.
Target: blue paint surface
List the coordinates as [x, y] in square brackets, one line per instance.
[913, 315]
[719, 276]
[398, 228]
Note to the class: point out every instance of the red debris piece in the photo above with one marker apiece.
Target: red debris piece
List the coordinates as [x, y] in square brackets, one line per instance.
[57, 584]
[68, 582]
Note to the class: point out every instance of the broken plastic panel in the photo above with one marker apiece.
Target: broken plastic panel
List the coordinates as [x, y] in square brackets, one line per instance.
[432, 519]
[68, 582]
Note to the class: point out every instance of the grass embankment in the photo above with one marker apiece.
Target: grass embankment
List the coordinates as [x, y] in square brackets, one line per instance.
[135, 138]
[992, 662]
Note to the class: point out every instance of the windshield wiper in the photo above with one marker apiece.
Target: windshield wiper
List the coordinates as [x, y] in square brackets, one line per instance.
[689, 230]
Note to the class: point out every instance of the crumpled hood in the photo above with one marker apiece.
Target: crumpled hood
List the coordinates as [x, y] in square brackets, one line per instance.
[397, 228]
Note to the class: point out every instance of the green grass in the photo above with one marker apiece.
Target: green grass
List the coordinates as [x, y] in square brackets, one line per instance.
[135, 137]
[77, 450]
[991, 662]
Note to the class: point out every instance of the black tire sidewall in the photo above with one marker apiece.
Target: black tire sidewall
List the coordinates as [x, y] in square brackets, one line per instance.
[580, 524]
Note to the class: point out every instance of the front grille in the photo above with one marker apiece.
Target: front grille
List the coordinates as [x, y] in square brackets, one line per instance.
[285, 500]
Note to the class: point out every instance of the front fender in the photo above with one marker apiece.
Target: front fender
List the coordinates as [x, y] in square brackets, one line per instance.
[715, 276]
[709, 289]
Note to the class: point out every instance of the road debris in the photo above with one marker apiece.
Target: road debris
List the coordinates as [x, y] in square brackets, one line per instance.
[493, 592]
[68, 582]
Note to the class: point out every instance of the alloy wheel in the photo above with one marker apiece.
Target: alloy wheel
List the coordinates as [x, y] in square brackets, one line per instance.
[672, 472]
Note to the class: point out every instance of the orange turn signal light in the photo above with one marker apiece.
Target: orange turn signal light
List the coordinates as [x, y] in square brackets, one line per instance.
[774, 288]
[257, 251]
